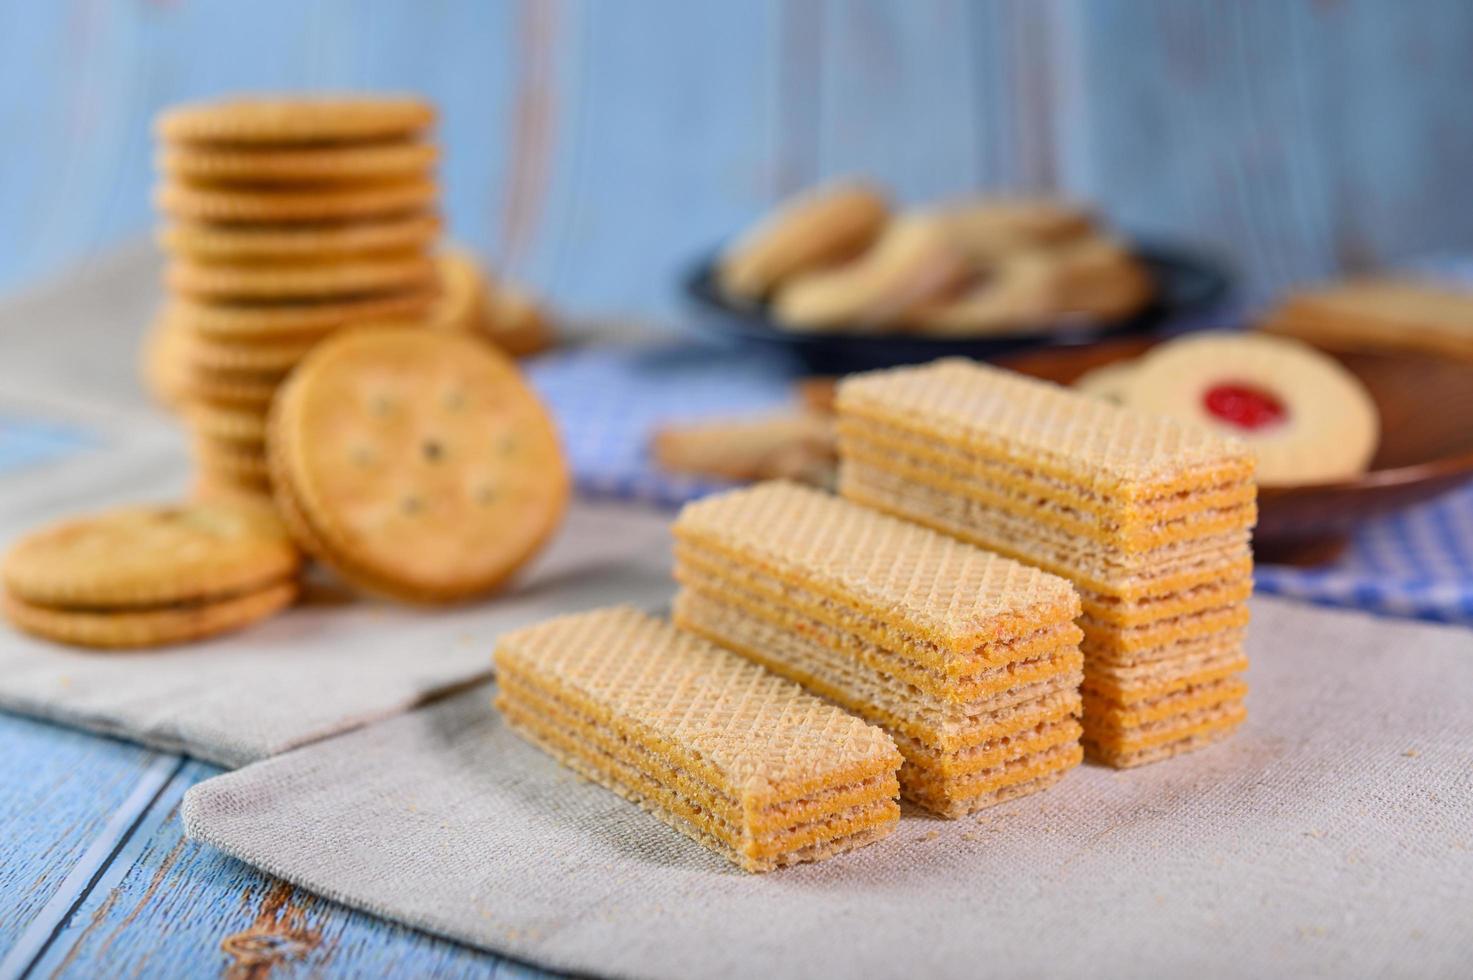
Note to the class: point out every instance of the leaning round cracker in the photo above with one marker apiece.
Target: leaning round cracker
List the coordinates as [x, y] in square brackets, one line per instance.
[295, 119]
[463, 303]
[313, 164]
[231, 204]
[263, 322]
[209, 242]
[423, 465]
[145, 627]
[264, 282]
[150, 555]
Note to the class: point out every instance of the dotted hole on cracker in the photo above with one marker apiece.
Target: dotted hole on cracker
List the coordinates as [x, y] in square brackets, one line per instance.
[433, 450]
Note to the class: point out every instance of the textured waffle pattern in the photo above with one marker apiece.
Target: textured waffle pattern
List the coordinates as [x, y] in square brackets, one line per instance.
[1027, 420]
[959, 594]
[758, 730]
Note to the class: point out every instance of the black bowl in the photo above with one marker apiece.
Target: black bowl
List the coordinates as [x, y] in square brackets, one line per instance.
[1186, 283]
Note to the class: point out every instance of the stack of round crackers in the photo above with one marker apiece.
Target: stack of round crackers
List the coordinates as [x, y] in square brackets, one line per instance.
[146, 576]
[284, 222]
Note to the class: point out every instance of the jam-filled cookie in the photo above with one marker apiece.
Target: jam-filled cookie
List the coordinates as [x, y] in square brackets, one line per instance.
[1307, 418]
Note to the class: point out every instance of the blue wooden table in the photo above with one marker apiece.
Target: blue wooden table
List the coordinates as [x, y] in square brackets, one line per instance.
[591, 150]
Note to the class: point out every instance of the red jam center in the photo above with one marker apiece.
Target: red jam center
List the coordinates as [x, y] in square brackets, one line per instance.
[1244, 405]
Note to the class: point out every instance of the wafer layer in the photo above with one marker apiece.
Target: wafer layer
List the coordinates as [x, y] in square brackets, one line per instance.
[1183, 517]
[732, 755]
[997, 414]
[928, 584]
[1162, 571]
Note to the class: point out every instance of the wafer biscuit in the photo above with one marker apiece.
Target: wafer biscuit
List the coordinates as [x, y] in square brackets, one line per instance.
[795, 604]
[999, 414]
[935, 587]
[671, 721]
[942, 727]
[1162, 740]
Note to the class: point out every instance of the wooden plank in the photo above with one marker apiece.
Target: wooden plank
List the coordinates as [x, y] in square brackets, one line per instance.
[168, 907]
[897, 100]
[68, 800]
[661, 148]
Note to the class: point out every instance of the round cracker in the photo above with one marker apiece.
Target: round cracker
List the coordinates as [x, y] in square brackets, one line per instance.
[422, 464]
[137, 628]
[261, 321]
[312, 164]
[235, 243]
[361, 276]
[150, 555]
[1108, 382]
[231, 204]
[319, 119]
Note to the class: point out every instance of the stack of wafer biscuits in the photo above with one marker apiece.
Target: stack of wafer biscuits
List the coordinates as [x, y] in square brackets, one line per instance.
[969, 660]
[284, 222]
[713, 745]
[1148, 516]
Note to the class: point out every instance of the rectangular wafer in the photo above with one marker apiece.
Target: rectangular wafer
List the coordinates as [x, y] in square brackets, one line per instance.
[969, 660]
[729, 754]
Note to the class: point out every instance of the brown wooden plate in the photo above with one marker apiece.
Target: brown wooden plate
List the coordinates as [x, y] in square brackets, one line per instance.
[1426, 406]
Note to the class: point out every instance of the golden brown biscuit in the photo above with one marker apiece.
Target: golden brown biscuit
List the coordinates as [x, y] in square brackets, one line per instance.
[295, 119]
[911, 263]
[797, 446]
[267, 322]
[210, 242]
[149, 556]
[133, 628]
[818, 228]
[326, 164]
[301, 280]
[249, 204]
[418, 463]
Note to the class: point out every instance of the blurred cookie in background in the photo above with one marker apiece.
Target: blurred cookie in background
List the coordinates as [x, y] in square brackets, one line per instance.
[798, 445]
[474, 301]
[1387, 313]
[1305, 416]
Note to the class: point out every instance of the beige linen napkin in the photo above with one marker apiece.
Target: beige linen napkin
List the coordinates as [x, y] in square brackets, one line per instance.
[1333, 836]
